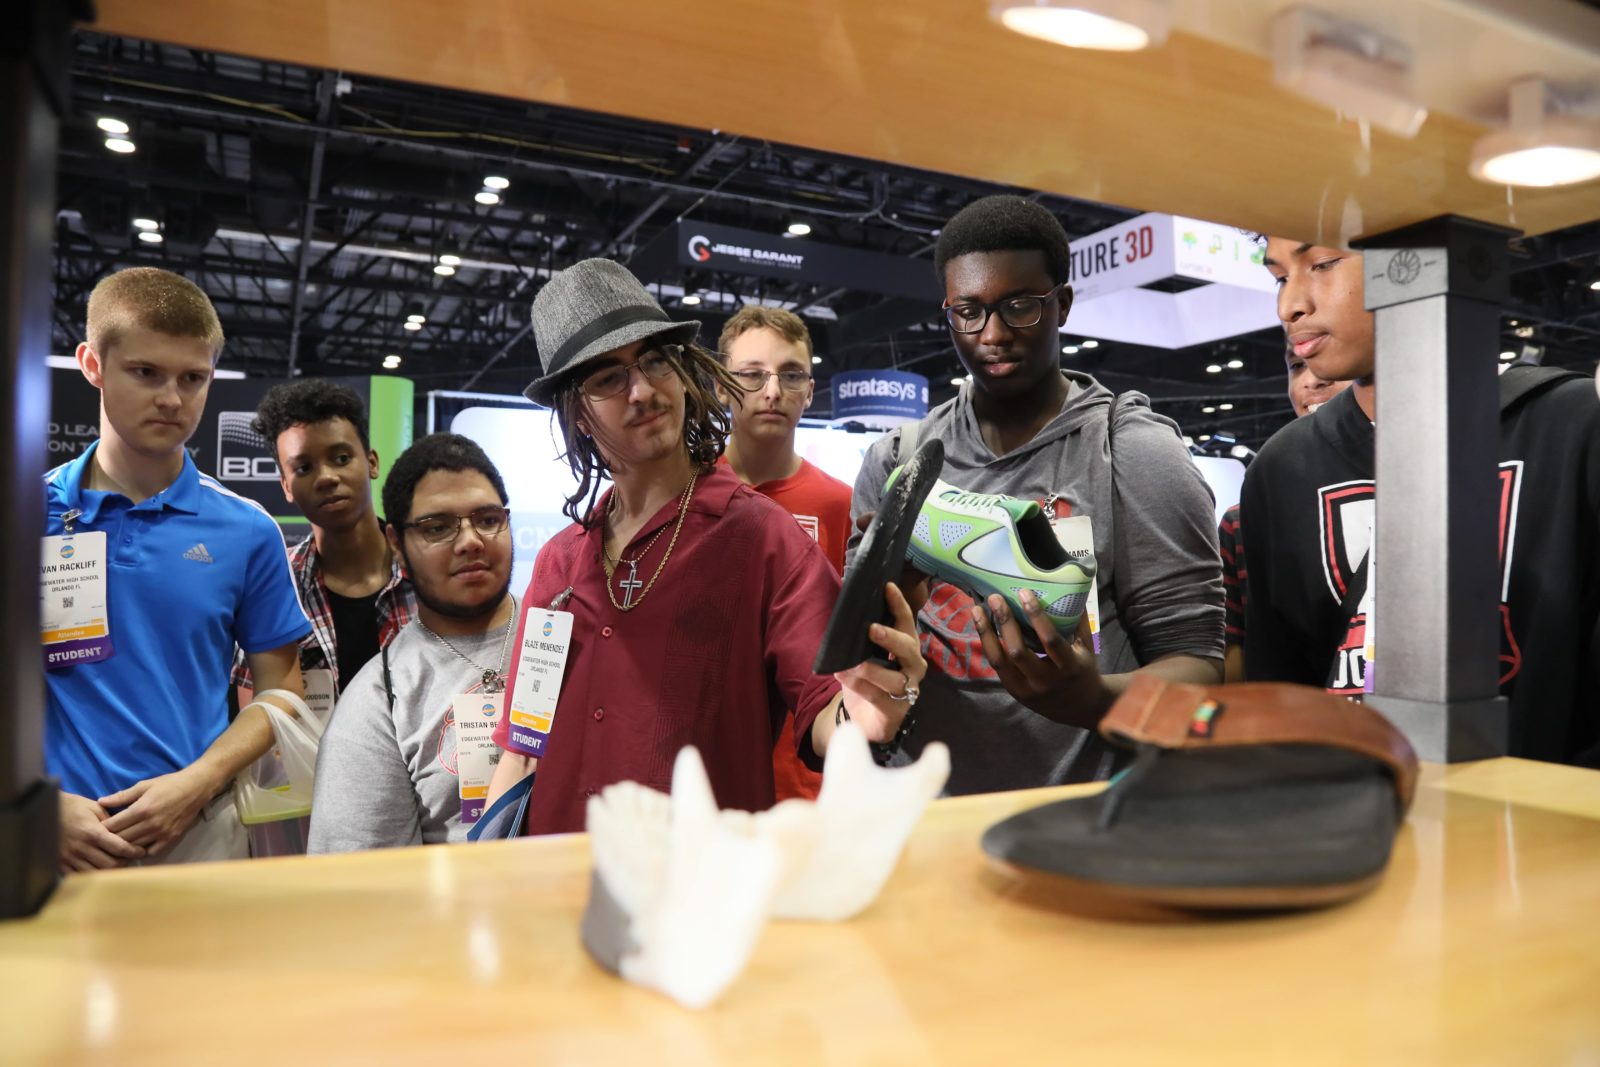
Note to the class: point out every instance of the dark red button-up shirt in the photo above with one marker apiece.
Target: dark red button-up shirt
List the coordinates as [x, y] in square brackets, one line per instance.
[713, 656]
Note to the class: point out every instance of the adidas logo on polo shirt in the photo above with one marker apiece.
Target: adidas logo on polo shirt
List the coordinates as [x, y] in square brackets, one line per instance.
[199, 554]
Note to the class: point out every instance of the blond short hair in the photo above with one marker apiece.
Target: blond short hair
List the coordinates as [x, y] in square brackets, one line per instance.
[152, 299]
[785, 324]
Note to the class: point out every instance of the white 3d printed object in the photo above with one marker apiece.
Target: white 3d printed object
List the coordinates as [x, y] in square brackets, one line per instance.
[681, 891]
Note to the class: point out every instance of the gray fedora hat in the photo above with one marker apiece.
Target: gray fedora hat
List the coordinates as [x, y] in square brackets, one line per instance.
[591, 308]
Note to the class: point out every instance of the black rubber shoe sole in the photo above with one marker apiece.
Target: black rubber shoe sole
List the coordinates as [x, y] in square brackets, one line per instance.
[1248, 827]
[879, 559]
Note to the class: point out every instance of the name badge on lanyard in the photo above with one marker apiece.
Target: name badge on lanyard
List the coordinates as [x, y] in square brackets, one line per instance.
[1076, 535]
[476, 715]
[541, 662]
[320, 695]
[75, 625]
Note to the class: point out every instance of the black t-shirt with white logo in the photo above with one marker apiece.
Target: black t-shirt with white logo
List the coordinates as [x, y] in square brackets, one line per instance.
[1306, 516]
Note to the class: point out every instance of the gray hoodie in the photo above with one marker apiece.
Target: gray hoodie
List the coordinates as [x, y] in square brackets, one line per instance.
[1160, 576]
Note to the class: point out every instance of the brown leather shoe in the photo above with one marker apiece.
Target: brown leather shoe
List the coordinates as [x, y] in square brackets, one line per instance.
[1248, 796]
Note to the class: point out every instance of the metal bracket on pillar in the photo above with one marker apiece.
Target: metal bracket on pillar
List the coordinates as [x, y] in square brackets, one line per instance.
[1437, 288]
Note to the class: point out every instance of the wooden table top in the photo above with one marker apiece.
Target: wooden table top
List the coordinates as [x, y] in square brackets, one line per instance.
[1195, 127]
[1480, 946]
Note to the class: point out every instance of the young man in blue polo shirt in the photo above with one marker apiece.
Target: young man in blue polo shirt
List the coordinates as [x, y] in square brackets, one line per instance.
[136, 724]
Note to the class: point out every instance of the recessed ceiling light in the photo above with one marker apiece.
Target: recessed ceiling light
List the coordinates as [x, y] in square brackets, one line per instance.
[111, 125]
[120, 145]
[1204, 437]
[450, 261]
[690, 299]
[1595, 285]
[1105, 25]
[494, 181]
[1507, 356]
[413, 326]
[391, 361]
[414, 317]
[1350, 67]
[957, 381]
[1070, 350]
[150, 237]
[1214, 368]
[1238, 451]
[1501, 160]
[816, 359]
[1224, 407]
[1091, 343]
[443, 269]
[799, 229]
[1208, 410]
[487, 199]
[1235, 364]
[146, 224]
[1541, 146]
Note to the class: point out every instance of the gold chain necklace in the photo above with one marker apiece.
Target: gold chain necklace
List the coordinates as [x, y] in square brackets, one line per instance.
[632, 583]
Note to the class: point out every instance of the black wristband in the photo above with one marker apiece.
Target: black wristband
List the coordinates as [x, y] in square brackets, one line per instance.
[882, 752]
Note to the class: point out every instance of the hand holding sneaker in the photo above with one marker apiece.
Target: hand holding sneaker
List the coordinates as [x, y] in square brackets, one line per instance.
[1064, 684]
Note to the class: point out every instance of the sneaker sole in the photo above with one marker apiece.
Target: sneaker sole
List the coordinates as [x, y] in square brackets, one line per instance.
[879, 559]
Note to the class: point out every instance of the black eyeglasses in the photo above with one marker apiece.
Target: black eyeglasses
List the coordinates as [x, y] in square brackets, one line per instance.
[655, 365]
[444, 529]
[1017, 312]
[754, 380]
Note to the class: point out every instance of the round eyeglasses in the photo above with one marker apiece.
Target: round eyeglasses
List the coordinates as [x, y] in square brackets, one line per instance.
[1017, 312]
[753, 380]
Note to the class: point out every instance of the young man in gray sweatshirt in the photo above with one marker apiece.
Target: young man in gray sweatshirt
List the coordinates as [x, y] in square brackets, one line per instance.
[390, 767]
[1025, 428]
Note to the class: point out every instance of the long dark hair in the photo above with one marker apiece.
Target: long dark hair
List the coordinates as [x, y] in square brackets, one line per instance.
[705, 424]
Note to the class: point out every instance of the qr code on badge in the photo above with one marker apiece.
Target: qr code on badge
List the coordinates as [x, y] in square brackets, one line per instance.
[535, 683]
[67, 601]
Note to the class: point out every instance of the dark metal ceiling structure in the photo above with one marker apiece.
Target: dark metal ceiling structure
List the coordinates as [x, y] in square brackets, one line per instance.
[314, 208]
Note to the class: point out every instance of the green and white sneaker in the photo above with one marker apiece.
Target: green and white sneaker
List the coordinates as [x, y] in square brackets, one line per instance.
[985, 543]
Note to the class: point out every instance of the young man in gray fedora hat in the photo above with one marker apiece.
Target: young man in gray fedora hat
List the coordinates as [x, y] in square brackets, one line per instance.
[681, 607]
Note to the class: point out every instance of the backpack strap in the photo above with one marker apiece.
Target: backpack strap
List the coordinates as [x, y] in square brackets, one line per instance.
[905, 442]
[1111, 425]
[388, 683]
[1111, 460]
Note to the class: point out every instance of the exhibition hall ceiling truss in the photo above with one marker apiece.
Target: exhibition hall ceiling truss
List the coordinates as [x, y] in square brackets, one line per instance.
[340, 221]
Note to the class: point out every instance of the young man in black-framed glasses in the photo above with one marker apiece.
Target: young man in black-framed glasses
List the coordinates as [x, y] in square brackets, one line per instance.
[407, 758]
[1023, 427]
[768, 350]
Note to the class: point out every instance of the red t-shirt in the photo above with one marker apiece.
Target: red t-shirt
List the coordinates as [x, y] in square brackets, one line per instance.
[713, 656]
[820, 503]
